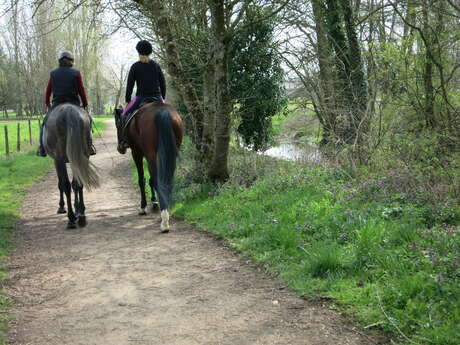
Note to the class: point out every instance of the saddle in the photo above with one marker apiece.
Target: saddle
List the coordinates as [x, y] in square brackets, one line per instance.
[146, 101]
[124, 144]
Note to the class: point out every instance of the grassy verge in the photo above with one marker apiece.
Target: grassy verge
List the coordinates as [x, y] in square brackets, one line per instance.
[390, 260]
[17, 173]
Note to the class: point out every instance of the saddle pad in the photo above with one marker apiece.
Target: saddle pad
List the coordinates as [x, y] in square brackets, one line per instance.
[134, 113]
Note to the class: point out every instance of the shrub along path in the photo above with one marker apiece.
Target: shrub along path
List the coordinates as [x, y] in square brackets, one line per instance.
[119, 281]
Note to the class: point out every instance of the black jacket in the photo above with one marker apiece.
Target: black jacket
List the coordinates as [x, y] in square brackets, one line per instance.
[149, 80]
[66, 85]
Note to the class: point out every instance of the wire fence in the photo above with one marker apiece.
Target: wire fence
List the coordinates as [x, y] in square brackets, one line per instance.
[17, 135]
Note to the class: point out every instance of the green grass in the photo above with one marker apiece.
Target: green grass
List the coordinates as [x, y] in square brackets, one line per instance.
[99, 125]
[298, 120]
[280, 119]
[390, 262]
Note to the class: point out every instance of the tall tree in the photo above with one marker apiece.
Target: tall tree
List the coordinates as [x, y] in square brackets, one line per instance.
[221, 43]
[163, 24]
[36, 37]
[220, 26]
[256, 77]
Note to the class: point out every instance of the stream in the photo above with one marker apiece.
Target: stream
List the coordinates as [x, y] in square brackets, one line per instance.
[294, 151]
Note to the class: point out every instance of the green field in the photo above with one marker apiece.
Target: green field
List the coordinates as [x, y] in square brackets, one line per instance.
[392, 261]
[298, 120]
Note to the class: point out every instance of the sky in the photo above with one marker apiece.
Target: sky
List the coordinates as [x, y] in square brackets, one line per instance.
[122, 48]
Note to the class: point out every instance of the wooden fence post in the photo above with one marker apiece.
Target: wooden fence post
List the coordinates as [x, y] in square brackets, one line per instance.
[30, 133]
[19, 137]
[7, 146]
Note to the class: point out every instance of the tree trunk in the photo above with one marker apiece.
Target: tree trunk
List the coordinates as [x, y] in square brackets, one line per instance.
[428, 73]
[351, 88]
[218, 170]
[209, 105]
[343, 92]
[18, 91]
[326, 109]
[360, 118]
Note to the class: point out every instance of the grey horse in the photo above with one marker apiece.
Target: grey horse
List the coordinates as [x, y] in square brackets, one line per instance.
[65, 139]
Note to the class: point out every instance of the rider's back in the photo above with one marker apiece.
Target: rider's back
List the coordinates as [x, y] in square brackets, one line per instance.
[64, 83]
[148, 77]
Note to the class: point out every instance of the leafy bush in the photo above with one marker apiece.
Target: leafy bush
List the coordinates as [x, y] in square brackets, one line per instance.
[388, 256]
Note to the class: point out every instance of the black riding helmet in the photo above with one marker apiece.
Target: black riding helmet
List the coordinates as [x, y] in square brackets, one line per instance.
[144, 47]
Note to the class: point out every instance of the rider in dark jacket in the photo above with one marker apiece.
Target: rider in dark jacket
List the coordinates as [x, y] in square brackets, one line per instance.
[66, 86]
[149, 80]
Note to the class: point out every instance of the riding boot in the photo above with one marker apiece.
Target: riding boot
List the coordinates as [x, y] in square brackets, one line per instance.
[41, 149]
[89, 141]
[123, 144]
[121, 149]
[92, 148]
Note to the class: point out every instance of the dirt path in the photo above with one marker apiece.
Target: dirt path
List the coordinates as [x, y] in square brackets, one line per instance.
[118, 281]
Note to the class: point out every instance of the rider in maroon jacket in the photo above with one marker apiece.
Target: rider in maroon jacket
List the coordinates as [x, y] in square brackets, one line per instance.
[66, 86]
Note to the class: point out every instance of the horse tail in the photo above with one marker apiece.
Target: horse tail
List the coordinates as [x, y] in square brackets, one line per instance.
[166, 156]
[76, 149]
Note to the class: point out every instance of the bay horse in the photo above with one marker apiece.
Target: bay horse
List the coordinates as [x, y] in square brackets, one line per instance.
[154, 133]
[65, 140]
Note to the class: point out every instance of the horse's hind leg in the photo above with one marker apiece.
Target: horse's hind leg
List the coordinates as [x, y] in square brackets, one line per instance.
[76, 203]
[79, 203]
[138, 159]
[65, 187]
[61, 208]
[164, 226]
[155, 205]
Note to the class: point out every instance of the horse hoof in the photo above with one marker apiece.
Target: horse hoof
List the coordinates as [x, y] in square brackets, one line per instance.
[164, 231]
[61, 210]
[82, 221]
[142, 212]
[71, 225]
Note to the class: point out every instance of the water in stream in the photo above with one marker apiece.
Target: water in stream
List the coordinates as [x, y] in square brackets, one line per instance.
[295, 151]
